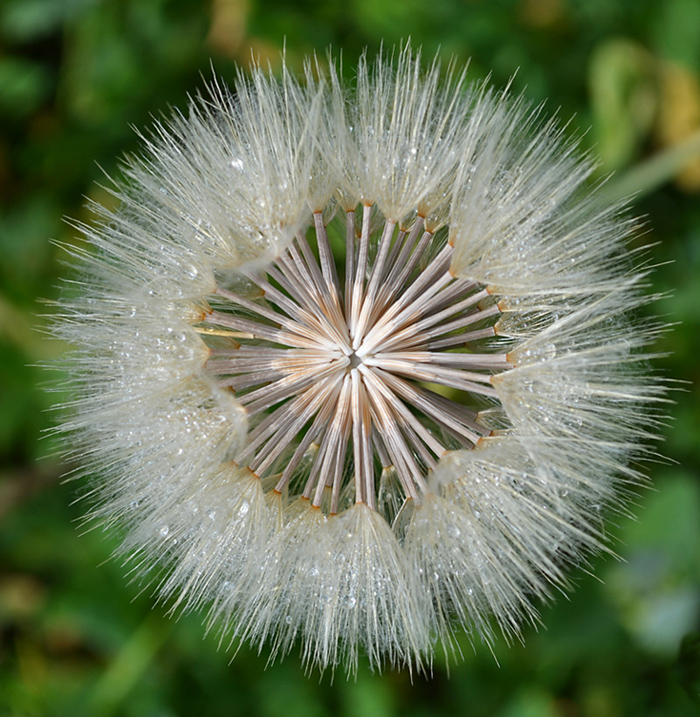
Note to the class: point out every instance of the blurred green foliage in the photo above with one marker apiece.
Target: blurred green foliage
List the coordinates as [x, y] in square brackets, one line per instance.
[75, 637]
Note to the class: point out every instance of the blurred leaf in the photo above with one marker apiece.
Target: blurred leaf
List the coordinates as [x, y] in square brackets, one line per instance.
[652, 173]
[679, 118]
[25, 231]
[26, 20]
[658, 588]
[623, 99]
[128, 666]
[228, 26]
[370, 696]
[390, 20]
[669, 521]
[530, 702]
[687, 666]
[24, 85]
[676, 30]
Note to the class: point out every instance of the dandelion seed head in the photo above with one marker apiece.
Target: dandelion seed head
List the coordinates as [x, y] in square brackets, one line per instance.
[356, 363]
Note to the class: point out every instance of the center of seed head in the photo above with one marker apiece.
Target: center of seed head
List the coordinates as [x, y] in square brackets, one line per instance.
[287, 342]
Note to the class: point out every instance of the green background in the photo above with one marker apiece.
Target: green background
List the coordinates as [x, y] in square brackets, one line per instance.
[76, 638]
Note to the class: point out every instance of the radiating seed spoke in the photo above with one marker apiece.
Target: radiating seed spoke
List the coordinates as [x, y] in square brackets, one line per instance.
[349, 262]
[362, 437]
[424, 403]
[284, 302]
[261, 331]
[373, 284]
[328, 269]
[462, 322]
[402, 457]
[360, 269]
[461, 339]
[310, 436]
[407, 418]
[396, 247]
[287, 427]
[486, 361]
[428, 372]
[408, 308]
[448, 296]
[334, 438]
[284, 388]
[404, 266]
[329, 293]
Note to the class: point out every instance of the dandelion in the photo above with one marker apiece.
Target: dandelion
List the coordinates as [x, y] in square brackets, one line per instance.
[356, 364]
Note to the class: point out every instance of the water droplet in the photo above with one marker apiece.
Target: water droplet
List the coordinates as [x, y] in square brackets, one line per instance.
[243, 508]
[163, 532]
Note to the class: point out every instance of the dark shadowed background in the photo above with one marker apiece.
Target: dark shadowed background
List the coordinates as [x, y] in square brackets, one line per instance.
[75, 75]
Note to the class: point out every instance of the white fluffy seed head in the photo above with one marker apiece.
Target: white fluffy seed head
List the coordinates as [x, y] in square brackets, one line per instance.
[366, 455]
